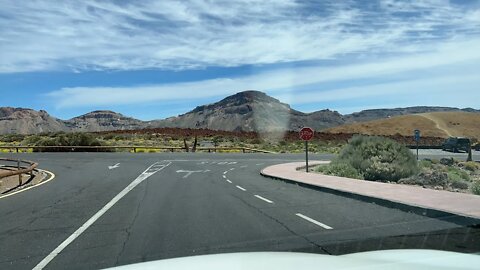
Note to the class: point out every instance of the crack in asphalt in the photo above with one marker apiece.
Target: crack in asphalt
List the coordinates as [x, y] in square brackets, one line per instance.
[128, 229]
[283, 225]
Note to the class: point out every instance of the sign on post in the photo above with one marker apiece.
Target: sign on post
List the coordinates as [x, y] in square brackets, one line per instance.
[306, 134]
[417, 138]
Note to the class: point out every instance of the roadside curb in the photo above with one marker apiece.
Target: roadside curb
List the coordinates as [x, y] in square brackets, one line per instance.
[49, 175]
[457, 218]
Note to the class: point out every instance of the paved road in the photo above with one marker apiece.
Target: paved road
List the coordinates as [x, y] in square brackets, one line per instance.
[189, 204]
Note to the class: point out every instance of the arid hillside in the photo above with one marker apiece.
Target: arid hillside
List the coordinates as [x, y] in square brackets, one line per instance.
[437, 124]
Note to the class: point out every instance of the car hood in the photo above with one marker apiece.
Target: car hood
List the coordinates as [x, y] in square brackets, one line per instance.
[386, 259]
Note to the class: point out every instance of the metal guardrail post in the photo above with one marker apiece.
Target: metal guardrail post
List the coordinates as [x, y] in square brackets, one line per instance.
[20, 175]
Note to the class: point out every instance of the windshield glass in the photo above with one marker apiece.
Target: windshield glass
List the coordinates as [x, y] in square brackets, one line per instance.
[137, 131]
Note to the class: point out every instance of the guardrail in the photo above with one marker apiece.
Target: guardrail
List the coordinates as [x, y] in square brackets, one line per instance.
[19, 169]
[135, 147]
[425, 146]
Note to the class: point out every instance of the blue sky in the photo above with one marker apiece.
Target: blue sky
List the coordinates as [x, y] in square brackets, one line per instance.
[155, 59]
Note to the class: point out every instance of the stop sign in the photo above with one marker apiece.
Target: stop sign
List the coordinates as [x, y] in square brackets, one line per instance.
[306, 133]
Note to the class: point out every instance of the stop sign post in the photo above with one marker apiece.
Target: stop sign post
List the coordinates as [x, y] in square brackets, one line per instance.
[306, 134]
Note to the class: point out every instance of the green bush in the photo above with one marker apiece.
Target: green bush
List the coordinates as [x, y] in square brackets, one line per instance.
[454, 177]
[67, 139]
[475, 187]
[426, 163]
[378, 158]
[10, 138]
[340, 169]
[457, 174]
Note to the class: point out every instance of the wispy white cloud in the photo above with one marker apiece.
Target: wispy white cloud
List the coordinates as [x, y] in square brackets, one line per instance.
[97, 35]
[453, 67]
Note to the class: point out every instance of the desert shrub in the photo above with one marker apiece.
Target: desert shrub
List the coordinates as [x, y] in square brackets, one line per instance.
[340, 169]
[447, 161]
[109, 136]
[475, 187]
[31, 140]
[430, 178]
[454, 177]
[9, 138]
[460, 184]
[434, 161]
[426, 163]
[458, 174]
[68, 139]
[378, 158]
[471, 166]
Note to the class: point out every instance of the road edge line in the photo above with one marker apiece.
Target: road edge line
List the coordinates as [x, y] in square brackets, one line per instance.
[52, 176]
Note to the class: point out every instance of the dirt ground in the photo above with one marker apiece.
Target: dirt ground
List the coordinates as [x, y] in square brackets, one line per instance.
[11, 183]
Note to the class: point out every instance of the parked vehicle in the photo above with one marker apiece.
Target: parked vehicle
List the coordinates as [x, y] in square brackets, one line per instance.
[477, 147]
[456, 144]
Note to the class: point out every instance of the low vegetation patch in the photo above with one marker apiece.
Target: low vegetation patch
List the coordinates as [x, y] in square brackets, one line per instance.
[373, 158]
[380, 159]
[173, 138]
[64, 139]
[340, 169]
[447, 174]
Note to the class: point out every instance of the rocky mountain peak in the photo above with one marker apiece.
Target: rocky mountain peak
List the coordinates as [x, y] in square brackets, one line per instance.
[241, 99]
[101, 114]
[248, 97]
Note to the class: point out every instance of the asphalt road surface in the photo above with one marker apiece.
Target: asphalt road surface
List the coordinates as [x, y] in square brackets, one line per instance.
[110, 209]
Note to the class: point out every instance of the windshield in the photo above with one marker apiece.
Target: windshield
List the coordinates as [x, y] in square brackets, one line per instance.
[136, 131]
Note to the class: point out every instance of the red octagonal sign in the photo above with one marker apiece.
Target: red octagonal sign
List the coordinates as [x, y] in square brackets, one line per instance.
[306, 134]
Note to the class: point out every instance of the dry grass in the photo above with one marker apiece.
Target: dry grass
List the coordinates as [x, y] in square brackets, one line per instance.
[439, 124]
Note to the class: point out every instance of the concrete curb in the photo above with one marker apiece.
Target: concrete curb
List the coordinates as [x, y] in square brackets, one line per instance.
[456, 218]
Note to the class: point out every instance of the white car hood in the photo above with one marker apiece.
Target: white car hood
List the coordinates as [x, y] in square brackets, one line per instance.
[387, 259]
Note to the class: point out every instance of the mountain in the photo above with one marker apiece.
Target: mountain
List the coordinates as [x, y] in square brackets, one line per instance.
[28, 121]
[250, 111]
[368, 115]
[244, 111]
[434, 124]
[103, 121]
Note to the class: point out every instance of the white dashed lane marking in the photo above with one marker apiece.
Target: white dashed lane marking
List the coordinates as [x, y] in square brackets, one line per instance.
[314, 221]
[241, 188]
[263, 199]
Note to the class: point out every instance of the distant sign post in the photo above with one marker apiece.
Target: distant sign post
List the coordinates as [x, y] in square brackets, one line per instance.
[417, 138]
[306, 134]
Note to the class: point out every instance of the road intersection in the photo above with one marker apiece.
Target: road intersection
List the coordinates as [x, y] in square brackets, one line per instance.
[157, 206]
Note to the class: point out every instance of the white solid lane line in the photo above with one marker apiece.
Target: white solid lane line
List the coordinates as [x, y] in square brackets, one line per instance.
[241, 188]
[147, 173]
[314, 221]
[263, 199]
[229, 181]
